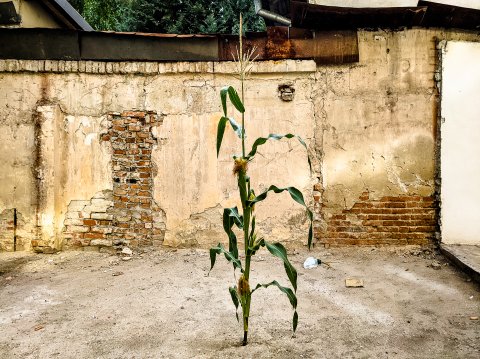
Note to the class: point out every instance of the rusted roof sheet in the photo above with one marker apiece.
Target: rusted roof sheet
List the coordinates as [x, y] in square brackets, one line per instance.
[291, 43]
[155, 34]
[447, 16]
[278, 43]
[340, 18]
[426, 14]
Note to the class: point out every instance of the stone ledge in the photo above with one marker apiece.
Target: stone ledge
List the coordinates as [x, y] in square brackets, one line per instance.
[151, 68]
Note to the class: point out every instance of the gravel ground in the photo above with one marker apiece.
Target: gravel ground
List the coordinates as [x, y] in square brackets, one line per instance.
[162, 304]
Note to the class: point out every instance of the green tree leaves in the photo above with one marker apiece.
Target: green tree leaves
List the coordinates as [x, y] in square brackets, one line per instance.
[167, 16]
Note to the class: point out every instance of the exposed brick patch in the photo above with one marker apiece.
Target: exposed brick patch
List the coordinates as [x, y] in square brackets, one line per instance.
[89, 222]
[388, 220]
[128, 215]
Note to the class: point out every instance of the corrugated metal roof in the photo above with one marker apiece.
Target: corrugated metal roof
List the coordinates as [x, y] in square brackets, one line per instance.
[433, 13]
[278, 43]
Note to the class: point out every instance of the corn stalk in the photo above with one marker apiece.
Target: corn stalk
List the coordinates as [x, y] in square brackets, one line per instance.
[241, 294]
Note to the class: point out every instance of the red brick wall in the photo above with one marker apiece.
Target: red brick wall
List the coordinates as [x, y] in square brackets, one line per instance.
[128, 215]
[388, 220]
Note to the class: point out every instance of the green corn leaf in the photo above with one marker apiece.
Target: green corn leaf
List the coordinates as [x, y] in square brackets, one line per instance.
[262, 140]
[252, 231]
[291, 297]
[278, 250]
[296, 195]
[290, 294]
[235, 217]
[256, 246]
[231, 217]
[235, 299]
[223, 97]
[235, 99]
[242, 188]
[295, 321]
[229, 256]
[235, 126]
[221, 130]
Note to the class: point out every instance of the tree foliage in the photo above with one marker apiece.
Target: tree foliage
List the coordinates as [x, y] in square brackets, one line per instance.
[169, 16]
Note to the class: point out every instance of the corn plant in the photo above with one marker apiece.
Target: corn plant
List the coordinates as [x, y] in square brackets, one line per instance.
[241, 294]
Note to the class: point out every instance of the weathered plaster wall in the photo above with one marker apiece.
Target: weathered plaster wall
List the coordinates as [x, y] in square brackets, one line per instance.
[370, 127]
[376, 127]
[66, 106]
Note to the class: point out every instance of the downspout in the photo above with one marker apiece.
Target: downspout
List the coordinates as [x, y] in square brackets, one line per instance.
[270, 15]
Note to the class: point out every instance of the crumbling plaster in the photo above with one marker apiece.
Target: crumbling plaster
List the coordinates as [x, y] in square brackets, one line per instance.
[376, 120]
[370, 127]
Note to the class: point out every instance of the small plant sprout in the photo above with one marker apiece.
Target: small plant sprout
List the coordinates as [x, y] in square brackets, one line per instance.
[242, 292]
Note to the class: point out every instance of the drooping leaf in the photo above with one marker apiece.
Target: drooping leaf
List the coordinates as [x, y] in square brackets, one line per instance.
[235, 99]
[278, 250]
[231, 217]
[296, 195]
[295, 320]
[262, 140]
[221, 130]
[290, 294]
[236, 217]
[228, 255]
[223, 97]
[235, 126]
[235, 299]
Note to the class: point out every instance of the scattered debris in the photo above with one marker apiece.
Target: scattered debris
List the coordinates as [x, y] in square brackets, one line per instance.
[353, 283]
[114, 262]
[127, 251]
[435, 265]
[116, 274]
[415, 252]
[311, 262]
[8, 278]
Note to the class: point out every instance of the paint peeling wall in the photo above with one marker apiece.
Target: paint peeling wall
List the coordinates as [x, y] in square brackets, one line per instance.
[370, 127]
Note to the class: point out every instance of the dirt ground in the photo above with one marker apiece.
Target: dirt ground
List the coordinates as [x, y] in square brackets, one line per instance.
[162, 304]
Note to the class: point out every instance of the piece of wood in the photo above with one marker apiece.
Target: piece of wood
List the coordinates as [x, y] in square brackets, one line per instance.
[353, 283]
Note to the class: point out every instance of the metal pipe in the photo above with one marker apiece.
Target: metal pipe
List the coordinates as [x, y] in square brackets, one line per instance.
[260, 11]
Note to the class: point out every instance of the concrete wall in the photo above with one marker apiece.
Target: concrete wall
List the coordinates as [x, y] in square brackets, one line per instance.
[370, 127]
[33, 14]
